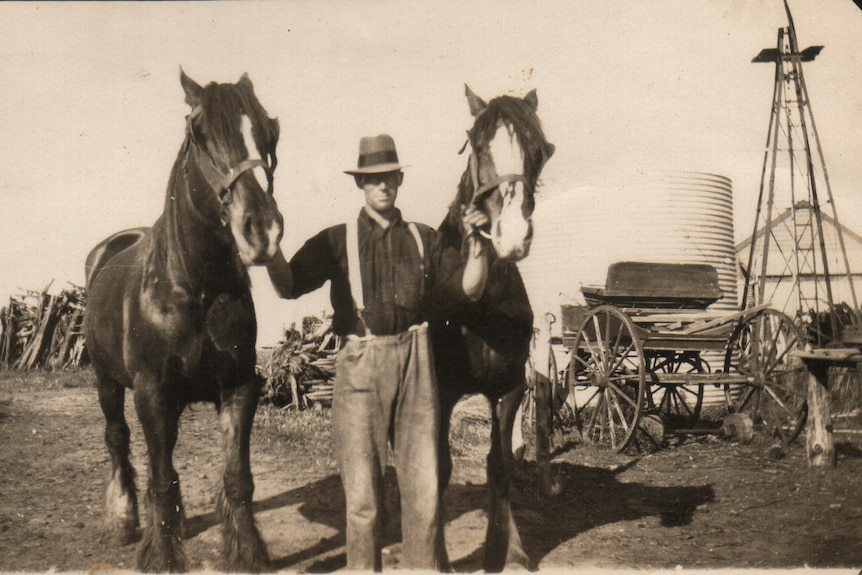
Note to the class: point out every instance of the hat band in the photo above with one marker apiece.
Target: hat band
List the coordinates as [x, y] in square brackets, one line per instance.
[375, 158]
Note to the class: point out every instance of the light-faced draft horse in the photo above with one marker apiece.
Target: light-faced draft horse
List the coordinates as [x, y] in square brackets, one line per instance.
[483, 347]
[170, 316]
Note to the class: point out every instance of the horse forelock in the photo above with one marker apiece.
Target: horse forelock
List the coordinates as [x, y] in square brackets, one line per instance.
[521, 117]
[265, 130]
[223, 105]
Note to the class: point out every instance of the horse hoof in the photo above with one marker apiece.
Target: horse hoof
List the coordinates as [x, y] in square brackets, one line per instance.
[247, 565]
[158, 554]
[249, 560]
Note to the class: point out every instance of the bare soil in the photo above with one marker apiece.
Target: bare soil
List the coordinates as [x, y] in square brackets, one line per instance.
[705, 503]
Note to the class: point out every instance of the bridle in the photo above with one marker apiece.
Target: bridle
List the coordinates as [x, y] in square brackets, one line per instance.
[479, 191]
[220, 181]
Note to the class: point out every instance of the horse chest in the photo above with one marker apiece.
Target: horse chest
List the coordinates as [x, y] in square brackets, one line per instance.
[171, 312]
[230, 323]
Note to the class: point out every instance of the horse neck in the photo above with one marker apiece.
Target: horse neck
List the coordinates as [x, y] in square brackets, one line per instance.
[194, 251]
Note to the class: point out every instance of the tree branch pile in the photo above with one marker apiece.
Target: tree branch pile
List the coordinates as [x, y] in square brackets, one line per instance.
[38, 329]
[300, 372]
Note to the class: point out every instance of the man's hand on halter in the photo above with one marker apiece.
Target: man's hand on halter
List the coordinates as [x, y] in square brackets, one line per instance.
[472, 222]
[476, 269]
[473, 219]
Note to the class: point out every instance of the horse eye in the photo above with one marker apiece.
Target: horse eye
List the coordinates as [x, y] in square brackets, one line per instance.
[226, 196]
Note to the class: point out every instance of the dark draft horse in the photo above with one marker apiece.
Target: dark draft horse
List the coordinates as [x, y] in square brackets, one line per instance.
[483, 347]
[170, 316]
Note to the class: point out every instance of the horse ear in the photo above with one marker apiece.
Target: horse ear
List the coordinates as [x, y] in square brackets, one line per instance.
[192, 90]
[477, 104]
[246, 81]
[532, 99]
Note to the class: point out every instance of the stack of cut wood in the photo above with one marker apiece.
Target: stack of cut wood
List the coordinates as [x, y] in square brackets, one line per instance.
[300, 372]
[38, 329]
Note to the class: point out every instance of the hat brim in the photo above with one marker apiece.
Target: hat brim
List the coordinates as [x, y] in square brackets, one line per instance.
[376, 169]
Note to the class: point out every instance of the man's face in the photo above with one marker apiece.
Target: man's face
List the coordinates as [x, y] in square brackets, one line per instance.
[381, 190]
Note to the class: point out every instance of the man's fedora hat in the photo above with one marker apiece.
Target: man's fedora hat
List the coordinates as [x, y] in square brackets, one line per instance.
[377, 155]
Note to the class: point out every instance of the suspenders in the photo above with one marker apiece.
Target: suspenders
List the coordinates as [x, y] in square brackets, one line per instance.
[354, 274]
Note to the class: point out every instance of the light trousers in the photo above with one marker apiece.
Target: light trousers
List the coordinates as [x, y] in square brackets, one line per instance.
[386, 393]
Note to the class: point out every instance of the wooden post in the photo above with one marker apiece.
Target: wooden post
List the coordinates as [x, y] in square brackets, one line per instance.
[819, 443]
[542, 391]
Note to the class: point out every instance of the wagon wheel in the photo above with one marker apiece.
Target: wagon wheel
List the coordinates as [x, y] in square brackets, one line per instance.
[608, 370]
[676, 402]
[776, 398]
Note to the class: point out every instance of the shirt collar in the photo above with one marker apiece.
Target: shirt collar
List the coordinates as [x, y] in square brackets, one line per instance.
[370, 219]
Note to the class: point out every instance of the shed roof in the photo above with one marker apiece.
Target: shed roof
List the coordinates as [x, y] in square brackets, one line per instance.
[783, 244]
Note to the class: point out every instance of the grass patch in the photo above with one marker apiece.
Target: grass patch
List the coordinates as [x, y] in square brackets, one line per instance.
[307, 432]
[46, 379]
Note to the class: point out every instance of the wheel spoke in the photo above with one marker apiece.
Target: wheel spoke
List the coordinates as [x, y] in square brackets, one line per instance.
[622, 357]
[618, 392]
[778, 400]
[761, 349]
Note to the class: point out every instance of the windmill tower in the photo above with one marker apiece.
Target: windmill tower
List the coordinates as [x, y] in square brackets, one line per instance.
[797, 278]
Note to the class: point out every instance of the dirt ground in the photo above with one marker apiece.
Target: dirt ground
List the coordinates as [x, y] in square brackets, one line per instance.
[703, 504]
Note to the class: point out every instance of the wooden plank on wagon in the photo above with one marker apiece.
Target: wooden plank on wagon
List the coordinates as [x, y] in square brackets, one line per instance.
[725, 321]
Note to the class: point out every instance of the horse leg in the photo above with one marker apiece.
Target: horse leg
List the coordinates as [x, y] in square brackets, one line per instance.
[444, 469]
[502, 540]
[243, 546]
[161, 544]
[121, 501]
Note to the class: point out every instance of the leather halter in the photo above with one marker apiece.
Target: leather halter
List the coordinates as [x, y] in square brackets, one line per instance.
[218, 180]
[479, 191]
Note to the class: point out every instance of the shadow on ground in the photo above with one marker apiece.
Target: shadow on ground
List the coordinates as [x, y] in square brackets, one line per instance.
[589, 497]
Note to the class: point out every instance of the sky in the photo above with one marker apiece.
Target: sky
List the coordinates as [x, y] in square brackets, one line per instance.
[93, 111]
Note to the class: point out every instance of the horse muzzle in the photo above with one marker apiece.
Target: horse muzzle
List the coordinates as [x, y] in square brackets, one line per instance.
[509, 210]
[257, 235]
[512, 237]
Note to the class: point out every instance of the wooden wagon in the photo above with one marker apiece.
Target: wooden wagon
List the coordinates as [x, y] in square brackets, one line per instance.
[645, 347]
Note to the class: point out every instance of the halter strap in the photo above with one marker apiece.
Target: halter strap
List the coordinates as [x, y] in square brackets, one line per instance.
[231, 177]
[354, 275]
[220, 181]
[480, 190]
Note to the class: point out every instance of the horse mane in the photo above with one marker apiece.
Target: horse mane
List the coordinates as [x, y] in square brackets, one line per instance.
[519, 114]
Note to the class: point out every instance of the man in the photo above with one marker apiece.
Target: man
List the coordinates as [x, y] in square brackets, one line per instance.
[382, 271]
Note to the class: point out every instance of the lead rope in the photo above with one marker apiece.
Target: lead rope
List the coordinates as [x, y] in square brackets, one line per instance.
[354, 273]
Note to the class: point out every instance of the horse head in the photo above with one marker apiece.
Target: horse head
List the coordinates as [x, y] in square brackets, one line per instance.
[230, 159]
[508, 152]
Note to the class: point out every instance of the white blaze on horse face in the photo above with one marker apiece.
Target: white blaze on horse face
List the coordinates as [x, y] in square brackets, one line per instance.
[511, 229]
[512, 232]
[506, 151]
[254, 219]
[251, 147]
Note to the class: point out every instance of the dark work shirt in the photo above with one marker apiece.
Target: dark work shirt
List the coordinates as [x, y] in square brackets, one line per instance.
[395, 292]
